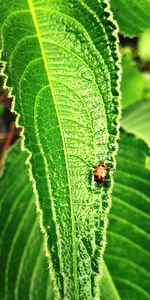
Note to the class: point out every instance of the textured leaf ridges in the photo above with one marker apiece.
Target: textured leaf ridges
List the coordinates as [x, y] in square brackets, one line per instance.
[63, 67]
[128, 237]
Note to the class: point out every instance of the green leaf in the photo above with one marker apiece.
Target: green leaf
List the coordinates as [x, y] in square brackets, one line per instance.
[136, 119]
[127, 255]
[108, 288]
[24, 267]
[3, 88]
[133, 83]
[146, 92]
[144, 46]
[24, 271]
[63, 67]
[132, 16]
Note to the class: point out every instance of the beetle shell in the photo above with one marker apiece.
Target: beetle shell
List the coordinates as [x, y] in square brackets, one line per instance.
[100, 173]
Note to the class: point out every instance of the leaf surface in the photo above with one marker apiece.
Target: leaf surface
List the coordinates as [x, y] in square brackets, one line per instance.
[24, 267]
[108, 288]
[63, 67]
[136, 119]
[143, 46]
[22, 256]
[132, 16]
[133, 82]
[127, 255]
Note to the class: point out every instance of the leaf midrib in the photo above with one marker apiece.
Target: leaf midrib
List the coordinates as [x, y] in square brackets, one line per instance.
[76, 290]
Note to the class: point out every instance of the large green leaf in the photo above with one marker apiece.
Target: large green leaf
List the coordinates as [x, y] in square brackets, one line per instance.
[63, 66]
[136, 119]
[144, 46]
[23, 265]
[146, 94]
[22, 256]
[127, 254]
[24, 272]
[132, 16]
[133, 82]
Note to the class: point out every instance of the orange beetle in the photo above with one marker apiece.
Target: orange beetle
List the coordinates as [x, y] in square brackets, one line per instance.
[100, 172]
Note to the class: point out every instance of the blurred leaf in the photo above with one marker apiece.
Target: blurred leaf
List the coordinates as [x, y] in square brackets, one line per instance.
[136, 119]
[146, 91]
[144, 46]
[127, 254]
[147, 164]
[62, 62]
[133, 17]
[133, 82]
[24, 268]
[2, 108]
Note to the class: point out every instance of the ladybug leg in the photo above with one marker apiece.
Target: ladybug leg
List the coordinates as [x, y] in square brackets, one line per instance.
[95, 178]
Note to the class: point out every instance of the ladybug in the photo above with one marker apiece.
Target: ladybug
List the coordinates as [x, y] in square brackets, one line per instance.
[100, 173]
